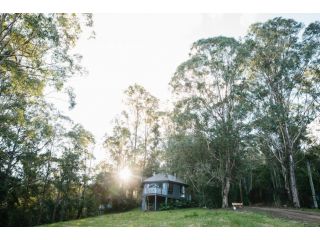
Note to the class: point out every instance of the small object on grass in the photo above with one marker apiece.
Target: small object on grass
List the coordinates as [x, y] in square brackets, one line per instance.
[235, 205]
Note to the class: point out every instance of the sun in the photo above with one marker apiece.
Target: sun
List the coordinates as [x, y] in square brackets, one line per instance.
[125, 174]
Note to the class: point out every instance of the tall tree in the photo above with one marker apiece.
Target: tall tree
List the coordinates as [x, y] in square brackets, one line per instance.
[134, 141]
[35, 59]
[284, 70]
[142, 116]
[136, 132]
[209, 86]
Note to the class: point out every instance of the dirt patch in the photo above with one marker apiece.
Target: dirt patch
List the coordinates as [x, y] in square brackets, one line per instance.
[297, 215]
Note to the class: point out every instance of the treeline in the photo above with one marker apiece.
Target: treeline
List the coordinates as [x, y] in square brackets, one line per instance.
[135, 143]
[242, 114]
[44, 156]
[240, 125]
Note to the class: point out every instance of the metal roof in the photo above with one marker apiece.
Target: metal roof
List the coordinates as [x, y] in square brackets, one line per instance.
[163, 177]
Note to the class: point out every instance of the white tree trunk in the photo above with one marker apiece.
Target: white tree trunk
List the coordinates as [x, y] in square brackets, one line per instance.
[225, 193]
[311, 185]
[293, 184]
[285, 179]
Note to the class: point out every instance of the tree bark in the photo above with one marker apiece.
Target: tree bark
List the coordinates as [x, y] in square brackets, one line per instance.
[225, 192]
[44, 191]
[135, 135]
[286, 183]
[240, 188]
[145, 146]
[57, 203]
[315, 204]
[81, 203]
[293, 184]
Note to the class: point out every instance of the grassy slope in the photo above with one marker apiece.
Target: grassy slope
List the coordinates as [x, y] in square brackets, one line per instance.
[181, 218]
[311, 210]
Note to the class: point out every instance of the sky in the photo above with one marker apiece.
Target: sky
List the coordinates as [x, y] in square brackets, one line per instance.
[144, 49]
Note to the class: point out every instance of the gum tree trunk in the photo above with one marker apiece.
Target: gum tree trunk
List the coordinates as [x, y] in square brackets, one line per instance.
[225, 192]
[315, 204]
[285, 179]
[293, 184]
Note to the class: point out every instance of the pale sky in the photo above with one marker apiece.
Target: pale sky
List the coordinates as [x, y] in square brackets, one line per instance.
[143, 49]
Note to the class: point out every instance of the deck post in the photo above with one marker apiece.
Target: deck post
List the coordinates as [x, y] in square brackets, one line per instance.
[147, 203]
[155, 202]
[166, 201]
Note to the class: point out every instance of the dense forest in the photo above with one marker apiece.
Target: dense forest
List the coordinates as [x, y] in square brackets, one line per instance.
[241, 124]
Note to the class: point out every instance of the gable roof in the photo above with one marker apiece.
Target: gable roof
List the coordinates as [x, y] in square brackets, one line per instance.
[163, 177]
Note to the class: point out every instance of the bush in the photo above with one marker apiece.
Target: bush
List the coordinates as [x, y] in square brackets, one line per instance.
[176, 204]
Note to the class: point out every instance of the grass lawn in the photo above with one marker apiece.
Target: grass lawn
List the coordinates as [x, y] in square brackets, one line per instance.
[316, 210]
[194, 217]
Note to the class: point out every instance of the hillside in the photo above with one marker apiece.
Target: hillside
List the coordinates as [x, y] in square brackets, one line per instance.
[194, 217]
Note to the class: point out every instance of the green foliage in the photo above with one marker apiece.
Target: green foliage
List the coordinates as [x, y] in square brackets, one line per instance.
[135, 138]
[211, 112]
[176, 204]
[237, 132]
[283, 81]
[134, 143]
[43, 154]
[241, 111]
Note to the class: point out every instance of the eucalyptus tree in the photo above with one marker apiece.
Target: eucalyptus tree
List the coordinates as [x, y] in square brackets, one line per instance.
[73, 172]
[35, 56]
[284, 72]
[35, 59]
[209, 88]
[35, 53]
[188, 156]
[135, 138]
[312, 160]
[118, 144]
[142, 117]
[311, 156]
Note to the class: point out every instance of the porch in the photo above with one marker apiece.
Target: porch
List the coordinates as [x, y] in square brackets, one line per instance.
[153, 202]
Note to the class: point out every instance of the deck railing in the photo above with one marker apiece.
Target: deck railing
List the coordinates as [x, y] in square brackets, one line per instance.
[161, 191]
[154, 190]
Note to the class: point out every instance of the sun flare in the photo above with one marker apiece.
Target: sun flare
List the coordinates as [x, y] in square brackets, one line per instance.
[125, 174]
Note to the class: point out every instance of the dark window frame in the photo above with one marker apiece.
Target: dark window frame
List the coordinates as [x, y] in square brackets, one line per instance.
[182, 191]
[170, 188]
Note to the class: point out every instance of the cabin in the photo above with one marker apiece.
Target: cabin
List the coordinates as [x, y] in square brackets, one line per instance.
[162, 188]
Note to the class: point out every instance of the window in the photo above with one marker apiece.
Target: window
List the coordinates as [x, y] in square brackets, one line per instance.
[154, 185]
[182, 191]
[170, 190]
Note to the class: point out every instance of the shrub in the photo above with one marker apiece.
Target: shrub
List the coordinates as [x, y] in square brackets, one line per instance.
[177, 204]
